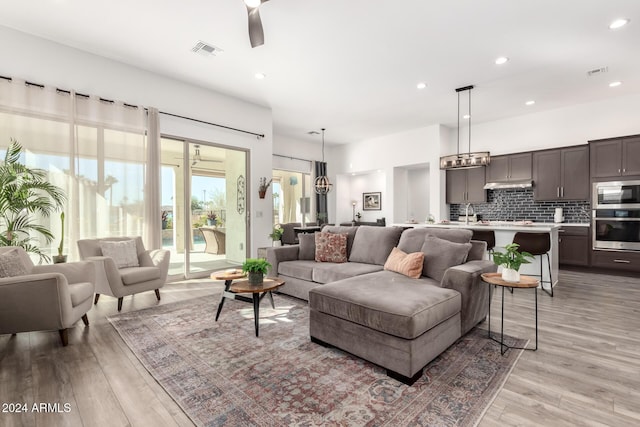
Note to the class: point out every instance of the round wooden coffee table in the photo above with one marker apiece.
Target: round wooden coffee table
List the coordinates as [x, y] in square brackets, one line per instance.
[258, 292]
[525, 282]
[228, 276]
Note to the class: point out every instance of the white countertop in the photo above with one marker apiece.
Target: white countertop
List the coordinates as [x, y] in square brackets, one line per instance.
[495, 225]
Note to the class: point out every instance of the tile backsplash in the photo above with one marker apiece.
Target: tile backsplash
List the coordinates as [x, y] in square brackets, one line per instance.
[518, 205]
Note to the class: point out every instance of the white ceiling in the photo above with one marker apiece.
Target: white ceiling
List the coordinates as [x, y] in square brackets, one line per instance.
[352, 65]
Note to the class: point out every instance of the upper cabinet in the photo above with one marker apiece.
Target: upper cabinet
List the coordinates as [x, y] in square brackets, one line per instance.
[561, 174]
[514, 167]
[466, 186]
[616, 157]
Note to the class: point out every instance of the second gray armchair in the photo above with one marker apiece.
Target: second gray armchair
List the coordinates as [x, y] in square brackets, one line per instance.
[124, 267]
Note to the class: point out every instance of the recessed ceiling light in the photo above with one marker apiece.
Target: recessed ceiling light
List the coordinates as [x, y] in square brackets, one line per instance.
[530, 102]
[615, 84]
[618, 23]
[466, 116]
[421, 85]
[260, 76]
[502, 60]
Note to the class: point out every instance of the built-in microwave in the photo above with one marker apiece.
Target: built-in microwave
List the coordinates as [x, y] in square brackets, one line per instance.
[616, 195]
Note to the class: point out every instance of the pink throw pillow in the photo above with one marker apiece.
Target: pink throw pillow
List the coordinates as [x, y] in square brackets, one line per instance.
[331, 247]
[409, 265]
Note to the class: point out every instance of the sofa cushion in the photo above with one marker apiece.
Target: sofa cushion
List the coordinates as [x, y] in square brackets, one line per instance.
[302, 270]
[412, 239]
[331, 247]
[387, 302]
[372, 245]
[440, 254]
[351, 233]
[133, 275]
[409, 265]
[123, 253]
[329, 272]
[307, 243]
[11, 264]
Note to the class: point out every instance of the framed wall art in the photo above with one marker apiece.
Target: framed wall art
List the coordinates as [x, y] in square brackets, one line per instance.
[372, 201]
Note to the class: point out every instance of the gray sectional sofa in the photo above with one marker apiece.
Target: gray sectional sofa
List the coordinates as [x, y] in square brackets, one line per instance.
[397, 322]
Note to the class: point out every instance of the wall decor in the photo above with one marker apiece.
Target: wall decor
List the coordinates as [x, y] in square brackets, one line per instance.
[372, 201]
[241, 195]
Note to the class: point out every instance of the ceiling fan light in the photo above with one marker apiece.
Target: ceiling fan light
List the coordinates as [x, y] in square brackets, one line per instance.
[252, 3]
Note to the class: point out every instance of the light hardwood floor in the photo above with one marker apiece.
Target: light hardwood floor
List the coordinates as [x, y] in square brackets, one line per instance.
[586, 371]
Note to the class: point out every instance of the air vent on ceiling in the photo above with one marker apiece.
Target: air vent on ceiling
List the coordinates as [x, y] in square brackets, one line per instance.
[206, 49]
[597, 71]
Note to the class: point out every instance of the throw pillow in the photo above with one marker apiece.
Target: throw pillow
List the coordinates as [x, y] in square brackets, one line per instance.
[124, 252]
[307, 249]
[11, 264]
[440, 254]
[331, 247]
[408, 264]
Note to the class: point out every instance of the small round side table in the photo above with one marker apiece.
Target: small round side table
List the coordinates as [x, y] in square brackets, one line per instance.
[525, 282]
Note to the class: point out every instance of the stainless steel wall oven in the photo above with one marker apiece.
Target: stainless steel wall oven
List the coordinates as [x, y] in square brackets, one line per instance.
[616, 215]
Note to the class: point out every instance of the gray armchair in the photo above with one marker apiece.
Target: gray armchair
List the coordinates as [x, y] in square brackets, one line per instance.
[48, 297]
[151, 274]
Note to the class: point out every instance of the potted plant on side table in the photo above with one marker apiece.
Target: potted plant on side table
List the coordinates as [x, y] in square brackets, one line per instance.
[257, 269]
[511, 260]
[60, 258]
[276, 235]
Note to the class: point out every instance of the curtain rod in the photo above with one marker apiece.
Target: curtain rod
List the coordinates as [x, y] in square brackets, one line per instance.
[293, 158]
[259, 135]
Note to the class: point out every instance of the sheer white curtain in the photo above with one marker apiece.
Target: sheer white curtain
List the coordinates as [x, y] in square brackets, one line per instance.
[96, 150]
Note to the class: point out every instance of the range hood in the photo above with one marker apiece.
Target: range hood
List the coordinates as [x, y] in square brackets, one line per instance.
[524, 183]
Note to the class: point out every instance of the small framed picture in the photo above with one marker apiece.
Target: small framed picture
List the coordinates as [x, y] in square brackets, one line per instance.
[371, 201]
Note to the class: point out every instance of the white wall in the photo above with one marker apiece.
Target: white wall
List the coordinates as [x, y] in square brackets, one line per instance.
[417, 146]
[41, 61]
[572, 125]
[350, 188]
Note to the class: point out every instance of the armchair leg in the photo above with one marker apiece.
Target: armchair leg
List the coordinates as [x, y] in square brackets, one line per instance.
[158, 294]
[95, 300]
[120, 303]
[85, 320]
[64, 337]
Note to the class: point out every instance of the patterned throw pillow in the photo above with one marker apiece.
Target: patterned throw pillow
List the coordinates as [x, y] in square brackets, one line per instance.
[124, 252]
[331, 247]
[11, 264]
[401, 262]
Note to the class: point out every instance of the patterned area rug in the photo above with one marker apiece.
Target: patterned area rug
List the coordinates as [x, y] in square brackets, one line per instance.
[221, 374]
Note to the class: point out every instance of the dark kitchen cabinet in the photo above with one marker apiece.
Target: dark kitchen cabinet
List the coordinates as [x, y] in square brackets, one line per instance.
[616, 157]
[614, 260]
[573, 246]
[561, 174]
[513, 167]
[466, 186]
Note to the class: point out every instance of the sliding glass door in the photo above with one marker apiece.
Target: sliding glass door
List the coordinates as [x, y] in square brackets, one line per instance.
[203, 207]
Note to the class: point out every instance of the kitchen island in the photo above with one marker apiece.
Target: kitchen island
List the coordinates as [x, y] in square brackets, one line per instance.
[504, 232]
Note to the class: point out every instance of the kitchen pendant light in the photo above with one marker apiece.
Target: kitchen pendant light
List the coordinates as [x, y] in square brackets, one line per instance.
[321, 183]
[468, 159]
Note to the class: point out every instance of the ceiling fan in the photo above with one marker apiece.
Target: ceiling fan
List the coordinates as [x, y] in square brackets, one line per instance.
[256, 34]
[197, 158]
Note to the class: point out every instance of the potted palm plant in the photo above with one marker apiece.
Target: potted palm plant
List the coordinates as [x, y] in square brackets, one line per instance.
[511, 260]
[25, 193]
[257, 268]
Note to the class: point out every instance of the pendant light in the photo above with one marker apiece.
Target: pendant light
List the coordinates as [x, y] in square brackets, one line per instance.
[321, 183]
[468, 159]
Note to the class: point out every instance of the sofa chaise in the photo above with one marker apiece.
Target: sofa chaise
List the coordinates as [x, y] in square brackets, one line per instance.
[383, 316]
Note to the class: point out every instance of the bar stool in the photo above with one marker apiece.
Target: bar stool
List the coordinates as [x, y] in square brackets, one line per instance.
[485, 236]
[537, 244]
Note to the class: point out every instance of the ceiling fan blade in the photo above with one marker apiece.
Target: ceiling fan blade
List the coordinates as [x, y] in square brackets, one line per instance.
[256, 34]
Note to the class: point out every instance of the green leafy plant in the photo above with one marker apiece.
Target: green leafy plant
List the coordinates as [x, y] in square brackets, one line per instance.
[25, 192]
[512, 258]
[277, 232]
[256, 265]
